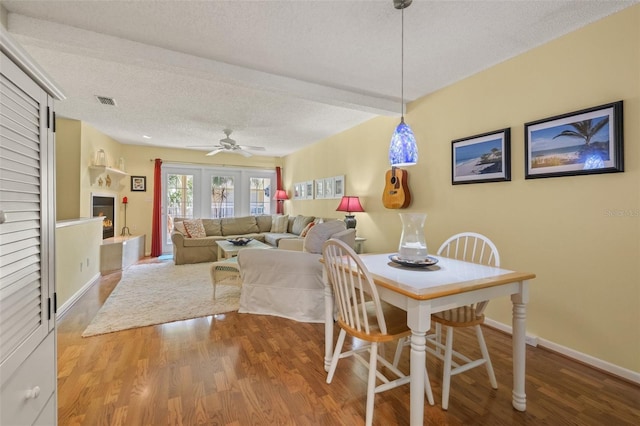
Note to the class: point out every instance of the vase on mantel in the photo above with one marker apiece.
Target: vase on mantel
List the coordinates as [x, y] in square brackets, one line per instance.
[413, 246]
[101, 158]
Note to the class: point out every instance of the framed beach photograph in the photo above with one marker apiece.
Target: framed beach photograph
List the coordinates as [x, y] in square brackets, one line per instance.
[338, 186]
[296, 191]
[139, 183]
[319, 188]
[583, 142]
[481, 158]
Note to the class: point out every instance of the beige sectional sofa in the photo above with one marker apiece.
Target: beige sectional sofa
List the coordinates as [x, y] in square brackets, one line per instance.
[205, 249]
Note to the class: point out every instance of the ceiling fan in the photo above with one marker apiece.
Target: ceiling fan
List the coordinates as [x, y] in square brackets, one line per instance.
[229, 145]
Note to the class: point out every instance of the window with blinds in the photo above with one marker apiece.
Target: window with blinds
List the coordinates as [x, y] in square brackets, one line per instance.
[24, 309]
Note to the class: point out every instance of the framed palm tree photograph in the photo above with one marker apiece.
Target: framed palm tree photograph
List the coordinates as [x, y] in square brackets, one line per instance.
[588, 141]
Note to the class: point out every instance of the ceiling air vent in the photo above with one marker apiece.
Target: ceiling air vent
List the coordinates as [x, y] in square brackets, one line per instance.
[106, 101]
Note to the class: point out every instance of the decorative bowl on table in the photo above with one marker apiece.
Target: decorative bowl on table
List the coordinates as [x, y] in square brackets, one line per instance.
[239, 241]
[422, 263]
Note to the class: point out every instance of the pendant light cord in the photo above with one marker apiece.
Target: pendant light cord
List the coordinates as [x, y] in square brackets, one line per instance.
[402, 65]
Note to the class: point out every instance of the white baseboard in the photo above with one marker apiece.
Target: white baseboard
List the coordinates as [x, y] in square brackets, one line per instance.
[73, 299]
[532, 340]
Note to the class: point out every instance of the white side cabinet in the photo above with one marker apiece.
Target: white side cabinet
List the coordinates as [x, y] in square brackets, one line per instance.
[27, 246]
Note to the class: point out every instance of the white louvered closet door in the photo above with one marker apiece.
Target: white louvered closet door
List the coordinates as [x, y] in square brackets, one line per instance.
[27, 217]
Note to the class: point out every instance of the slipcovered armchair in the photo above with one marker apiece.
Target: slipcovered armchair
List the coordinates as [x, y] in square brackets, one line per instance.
[288, 283]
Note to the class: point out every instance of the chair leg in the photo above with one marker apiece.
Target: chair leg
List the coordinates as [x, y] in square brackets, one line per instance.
[485, 356]
[438, 337]
[446, 377]
[402, 342]
[427, 386]
[336, 355]
[371, 384]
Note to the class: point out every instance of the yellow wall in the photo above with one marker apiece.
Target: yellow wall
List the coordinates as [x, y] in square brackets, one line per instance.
[93, 140]
[77, 257]
[68, 134]
[586, 296]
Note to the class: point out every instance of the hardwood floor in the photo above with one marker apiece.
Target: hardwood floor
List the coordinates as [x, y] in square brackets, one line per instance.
[240, 369]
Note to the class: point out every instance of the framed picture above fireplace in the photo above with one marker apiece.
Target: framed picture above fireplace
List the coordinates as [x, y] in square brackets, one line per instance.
[139, 183]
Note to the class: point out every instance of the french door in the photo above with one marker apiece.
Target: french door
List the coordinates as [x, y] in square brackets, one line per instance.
[179, 185]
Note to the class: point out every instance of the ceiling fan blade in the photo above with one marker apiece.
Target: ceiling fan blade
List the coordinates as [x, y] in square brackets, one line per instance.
[253, 148]
[215, 151]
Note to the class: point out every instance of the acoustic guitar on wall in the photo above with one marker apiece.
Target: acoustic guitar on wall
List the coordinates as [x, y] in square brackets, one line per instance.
[396, 189]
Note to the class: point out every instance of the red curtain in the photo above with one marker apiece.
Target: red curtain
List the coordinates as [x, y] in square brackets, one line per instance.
[279, 207]
[156, 227]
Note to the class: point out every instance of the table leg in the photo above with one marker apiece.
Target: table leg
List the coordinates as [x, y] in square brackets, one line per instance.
[418, 359]
[328, 321]
[519, 301]
[418, 320]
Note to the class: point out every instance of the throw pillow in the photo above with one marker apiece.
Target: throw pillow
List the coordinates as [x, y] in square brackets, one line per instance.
[348, 236]
[179, 226]
[300, 223]
[320, 233]
[306, 229]
[279, 223]
[195, 228]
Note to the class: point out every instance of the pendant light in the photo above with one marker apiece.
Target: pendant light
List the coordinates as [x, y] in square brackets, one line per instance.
[403, 150]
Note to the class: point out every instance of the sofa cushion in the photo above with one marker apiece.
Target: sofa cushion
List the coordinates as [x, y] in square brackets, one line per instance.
[179, 226]
[273, 238]
[264, 222]
[194, 228]
[320, 233]
[239, 225]
[300, 223]
[279, 224]
[212, 227]
[202, 242]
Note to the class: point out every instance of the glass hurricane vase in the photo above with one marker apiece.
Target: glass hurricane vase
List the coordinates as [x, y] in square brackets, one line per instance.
[413, 246]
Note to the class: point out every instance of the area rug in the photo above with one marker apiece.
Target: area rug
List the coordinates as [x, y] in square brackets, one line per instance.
[157, 293]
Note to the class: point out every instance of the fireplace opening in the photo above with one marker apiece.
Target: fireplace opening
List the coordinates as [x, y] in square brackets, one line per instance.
[105, 206]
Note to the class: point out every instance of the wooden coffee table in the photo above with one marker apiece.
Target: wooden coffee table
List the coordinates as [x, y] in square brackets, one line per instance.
[227, 250]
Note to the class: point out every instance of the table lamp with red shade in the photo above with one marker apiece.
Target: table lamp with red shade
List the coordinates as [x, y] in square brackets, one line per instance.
[280, 196]
[350, 204]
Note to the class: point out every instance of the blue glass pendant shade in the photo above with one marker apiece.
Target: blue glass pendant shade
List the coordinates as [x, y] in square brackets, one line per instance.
[403, 150]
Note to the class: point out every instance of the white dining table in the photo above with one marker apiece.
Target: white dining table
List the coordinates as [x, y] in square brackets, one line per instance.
[423, 291]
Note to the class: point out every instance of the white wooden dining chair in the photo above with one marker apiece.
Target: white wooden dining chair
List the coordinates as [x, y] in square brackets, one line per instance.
[362, 315]
[475, 248]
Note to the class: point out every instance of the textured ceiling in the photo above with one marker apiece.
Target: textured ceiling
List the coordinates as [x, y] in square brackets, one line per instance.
[281, 74]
